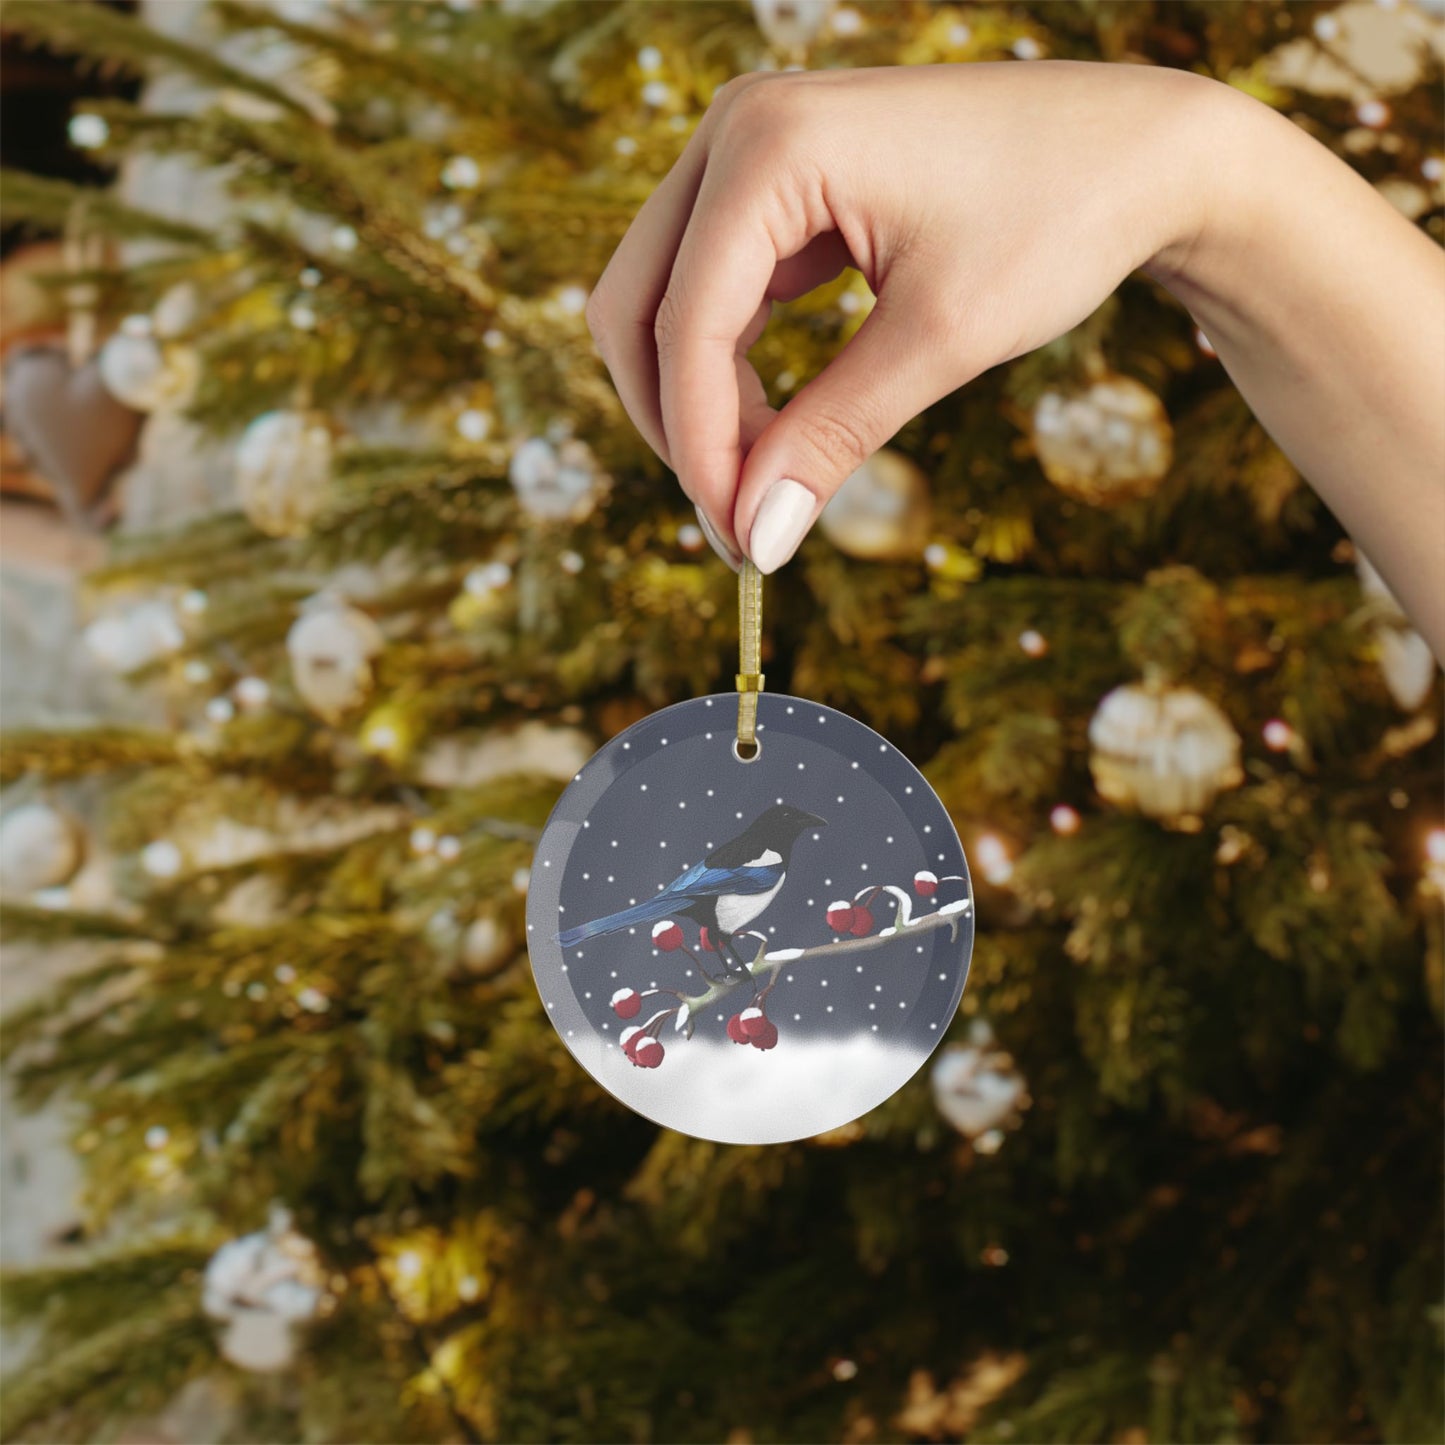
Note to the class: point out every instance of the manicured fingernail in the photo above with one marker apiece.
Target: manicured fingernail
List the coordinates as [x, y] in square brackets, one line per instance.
[715, 541]
[783, 519]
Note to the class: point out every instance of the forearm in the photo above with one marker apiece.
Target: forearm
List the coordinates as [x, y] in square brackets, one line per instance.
[1327, 309]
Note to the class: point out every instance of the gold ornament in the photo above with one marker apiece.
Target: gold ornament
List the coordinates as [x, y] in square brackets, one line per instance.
[142, 373]
[1405, 658]
[40, 847]
[881, 512]
[262, 1287]
[283, 470]
[486, 946]
[331, 647]
[792, 25]
[556, 479]
[977, 1088]
[1163, 751]
[1110, 442]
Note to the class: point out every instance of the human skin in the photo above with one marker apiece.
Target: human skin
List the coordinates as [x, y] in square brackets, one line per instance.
[991, 208]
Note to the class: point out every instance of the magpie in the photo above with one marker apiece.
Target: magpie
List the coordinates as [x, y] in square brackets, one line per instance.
[726, 891]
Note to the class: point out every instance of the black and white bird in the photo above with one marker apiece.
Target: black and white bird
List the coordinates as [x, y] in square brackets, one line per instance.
[727, 891]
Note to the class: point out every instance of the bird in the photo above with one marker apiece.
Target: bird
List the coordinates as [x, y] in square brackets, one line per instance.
[726, 891]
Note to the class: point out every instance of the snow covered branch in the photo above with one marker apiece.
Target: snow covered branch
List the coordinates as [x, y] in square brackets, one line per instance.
[751, 1025]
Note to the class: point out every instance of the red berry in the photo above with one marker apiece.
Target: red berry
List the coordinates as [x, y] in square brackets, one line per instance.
[666, 935]
[862, 922]
[626, 1003]
[840, 916]
[735, 1029]
[648, 1053]
[925, 883]
[630, 1039]
[767, 1037]
[753, 1021]
[704, 942]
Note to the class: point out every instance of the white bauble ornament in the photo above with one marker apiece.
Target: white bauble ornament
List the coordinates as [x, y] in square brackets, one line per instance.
[258, 1341]
[331, 647]
[1406, 661]
[1165, 751]
[486, 945]
[283, 470]
[792, 25]
[136, 636]
[1107, 443]
[977, 1088]
[40, 847]
[261, 1286]
[141, 373]
[881, 512]
[555, 482]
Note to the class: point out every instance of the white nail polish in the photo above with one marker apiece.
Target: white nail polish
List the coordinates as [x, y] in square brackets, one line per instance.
[716, 542]
[787, 511]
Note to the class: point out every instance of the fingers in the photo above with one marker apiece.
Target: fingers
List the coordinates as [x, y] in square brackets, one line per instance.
[718, 286]
[623, 306]
[901, 361]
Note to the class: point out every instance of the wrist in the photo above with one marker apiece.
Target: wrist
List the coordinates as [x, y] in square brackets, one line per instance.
[1220, 147]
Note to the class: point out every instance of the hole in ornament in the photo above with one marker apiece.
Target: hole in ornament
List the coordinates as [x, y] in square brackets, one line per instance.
[747, 752]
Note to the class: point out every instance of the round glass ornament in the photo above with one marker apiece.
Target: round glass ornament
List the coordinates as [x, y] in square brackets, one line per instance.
[750, 951]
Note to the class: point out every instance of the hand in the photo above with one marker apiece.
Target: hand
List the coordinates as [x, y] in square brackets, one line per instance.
[990, 207]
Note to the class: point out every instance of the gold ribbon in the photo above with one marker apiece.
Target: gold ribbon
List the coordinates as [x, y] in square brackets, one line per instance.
[750, 648]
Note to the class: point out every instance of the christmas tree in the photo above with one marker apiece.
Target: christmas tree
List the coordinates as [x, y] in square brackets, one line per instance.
[1176, 1173]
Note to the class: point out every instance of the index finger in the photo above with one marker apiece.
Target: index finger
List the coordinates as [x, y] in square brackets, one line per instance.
[719, 285]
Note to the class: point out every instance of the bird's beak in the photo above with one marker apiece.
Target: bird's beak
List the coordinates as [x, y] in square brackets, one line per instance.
[812, 820]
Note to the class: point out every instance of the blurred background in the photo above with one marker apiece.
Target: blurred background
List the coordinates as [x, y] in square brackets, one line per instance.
[329, 554]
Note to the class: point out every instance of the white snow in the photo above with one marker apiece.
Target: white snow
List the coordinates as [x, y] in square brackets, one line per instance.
[804, 1086]
[783, 955]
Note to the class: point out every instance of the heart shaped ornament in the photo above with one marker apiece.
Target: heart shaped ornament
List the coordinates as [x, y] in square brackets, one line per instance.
[77, 435]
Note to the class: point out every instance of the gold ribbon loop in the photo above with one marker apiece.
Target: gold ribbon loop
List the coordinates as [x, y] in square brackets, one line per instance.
[750, 648]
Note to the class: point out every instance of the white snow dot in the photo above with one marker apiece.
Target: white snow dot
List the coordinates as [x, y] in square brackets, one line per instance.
[644, 787]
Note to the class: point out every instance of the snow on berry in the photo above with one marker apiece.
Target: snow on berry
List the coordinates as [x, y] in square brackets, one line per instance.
[735, 1029]
[630, 1038]
[666, 935]
[626, 1003]
[840, 916]
[648, 1053]
[862, 923]
[753, 1021]
[925, 883]
[766, 1037]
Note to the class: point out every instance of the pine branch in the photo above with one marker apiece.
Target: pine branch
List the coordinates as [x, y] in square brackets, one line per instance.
[109, 37]
[51, 204]
[82, 752]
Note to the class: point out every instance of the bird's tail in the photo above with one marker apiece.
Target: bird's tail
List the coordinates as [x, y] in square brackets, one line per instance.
[651, 910]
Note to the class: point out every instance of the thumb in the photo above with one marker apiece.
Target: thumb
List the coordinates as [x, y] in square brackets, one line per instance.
[900, 361]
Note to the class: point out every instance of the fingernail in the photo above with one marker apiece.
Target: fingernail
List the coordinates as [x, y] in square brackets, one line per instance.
[782, 522]
[715, 541]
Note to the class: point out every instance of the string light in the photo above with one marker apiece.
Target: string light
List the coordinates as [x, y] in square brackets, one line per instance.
[1278, 735]
[1033, 642]
[993, 858]
[423, 840]
[1064, 820]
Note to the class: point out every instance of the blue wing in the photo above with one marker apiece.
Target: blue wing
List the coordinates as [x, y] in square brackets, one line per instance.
[700, 881]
